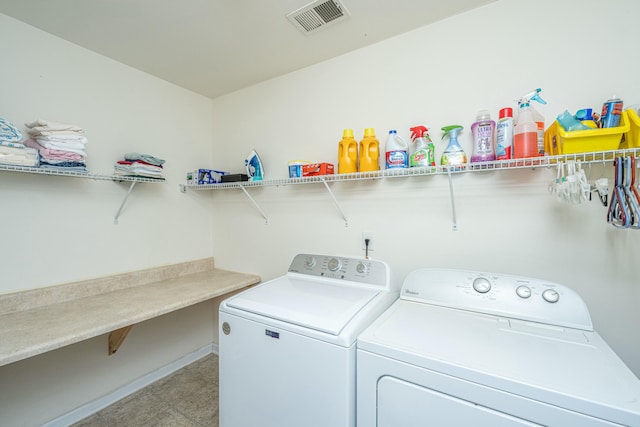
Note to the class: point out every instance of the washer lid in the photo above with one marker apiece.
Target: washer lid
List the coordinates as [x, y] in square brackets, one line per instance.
[316, 304]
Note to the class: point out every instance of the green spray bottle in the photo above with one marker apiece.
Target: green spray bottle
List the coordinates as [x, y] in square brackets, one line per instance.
[424, 151]
[453, 154]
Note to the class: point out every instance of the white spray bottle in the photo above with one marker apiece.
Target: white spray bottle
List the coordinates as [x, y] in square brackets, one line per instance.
[536, 117]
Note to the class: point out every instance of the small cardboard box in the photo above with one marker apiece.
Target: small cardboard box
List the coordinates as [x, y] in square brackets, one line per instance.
[315, 169]
[205, 176]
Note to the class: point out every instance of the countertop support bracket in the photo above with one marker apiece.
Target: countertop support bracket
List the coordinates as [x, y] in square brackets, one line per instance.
[116, 338]
[335, 201]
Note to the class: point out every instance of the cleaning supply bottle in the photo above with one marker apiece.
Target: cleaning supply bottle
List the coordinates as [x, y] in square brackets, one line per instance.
[423, 154]
[483, 130]
[369, 152]
[525, 134]
[536, 117]
[347, 153]
[397, 151]
[504, 134]
[453, 154]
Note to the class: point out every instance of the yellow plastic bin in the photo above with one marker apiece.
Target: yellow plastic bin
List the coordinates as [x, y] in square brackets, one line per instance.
[632, 138]
[558, 141]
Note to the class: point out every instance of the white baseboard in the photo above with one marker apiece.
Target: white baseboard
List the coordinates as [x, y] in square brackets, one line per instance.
[94, 406]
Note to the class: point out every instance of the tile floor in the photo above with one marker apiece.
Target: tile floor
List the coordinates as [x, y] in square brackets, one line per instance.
[186, 398]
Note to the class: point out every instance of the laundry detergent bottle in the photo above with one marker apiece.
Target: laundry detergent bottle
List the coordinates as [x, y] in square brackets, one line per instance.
[483, 131]
[347, 153]
[453, 154]
[397, 151]
[369, 152]
[423, 154]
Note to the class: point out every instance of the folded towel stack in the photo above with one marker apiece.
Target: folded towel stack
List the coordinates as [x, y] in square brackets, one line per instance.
[12, 149]
[61, 145]
[143, 165]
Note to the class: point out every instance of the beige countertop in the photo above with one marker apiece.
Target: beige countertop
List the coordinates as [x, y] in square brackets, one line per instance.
[83, 310]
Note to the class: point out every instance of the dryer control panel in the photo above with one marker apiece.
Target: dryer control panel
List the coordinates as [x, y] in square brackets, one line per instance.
[517, 297]
[359, 270]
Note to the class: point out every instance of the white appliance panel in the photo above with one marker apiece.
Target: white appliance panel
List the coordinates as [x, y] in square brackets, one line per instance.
[273, 377]
[311, 303]
[372, 408]
[565, 367]
[401, 403]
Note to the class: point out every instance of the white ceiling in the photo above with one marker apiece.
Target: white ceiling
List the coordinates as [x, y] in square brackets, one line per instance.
[214, 47]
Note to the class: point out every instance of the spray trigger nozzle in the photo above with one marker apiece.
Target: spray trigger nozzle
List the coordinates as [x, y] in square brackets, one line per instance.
[531, 96]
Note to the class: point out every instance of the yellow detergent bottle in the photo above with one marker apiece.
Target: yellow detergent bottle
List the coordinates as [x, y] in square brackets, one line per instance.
[369, 152]
[347, 153]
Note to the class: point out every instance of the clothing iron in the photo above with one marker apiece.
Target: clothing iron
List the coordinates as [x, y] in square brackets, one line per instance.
[254, 166]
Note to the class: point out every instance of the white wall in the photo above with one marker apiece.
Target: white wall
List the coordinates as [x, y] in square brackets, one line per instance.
[579, 53]
[60, 229]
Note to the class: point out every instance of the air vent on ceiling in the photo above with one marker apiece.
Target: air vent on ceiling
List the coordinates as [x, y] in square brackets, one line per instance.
[317, 15]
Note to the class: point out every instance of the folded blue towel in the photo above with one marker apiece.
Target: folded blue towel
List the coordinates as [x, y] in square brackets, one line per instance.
[132, 157]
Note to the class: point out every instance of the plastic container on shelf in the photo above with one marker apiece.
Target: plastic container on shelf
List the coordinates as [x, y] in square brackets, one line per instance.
[347, 153]
[632, 137]
[562, 142]
[369, 156]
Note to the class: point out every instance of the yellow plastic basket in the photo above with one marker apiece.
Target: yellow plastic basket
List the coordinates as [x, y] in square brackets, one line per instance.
[632, 138]
[558, 141]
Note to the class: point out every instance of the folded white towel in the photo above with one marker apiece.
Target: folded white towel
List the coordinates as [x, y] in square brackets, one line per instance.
[45, 125]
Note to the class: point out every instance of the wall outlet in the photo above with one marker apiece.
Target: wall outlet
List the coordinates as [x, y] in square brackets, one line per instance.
[367, 235]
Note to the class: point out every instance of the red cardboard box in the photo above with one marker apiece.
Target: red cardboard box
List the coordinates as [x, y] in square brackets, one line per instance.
[315, 169]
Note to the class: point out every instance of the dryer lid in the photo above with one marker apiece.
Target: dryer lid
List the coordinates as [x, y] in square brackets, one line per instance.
[316, 304]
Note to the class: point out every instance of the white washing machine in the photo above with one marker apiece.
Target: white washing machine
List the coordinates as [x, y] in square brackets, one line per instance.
[288, 346]
[462, 348]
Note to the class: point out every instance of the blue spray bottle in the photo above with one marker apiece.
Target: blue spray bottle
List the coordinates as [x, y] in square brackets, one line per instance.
[453, 154]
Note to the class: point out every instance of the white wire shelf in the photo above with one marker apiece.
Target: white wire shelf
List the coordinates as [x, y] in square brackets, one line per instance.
[58, 172]
[96, 177]
[527, 163]
[512, 164]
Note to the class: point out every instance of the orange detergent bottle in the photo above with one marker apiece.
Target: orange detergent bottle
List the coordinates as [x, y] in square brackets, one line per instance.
[369, 152]
[347, 153]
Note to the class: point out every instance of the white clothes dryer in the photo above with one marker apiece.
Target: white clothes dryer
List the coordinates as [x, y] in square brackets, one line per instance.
[462, 348]
[288, 346]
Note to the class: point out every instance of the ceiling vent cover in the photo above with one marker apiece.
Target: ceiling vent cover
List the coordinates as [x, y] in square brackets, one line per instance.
[317, 15]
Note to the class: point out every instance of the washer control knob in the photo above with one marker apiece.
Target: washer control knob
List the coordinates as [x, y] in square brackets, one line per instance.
[310, 262]
[334, 264]
[361, 267]
[523, 291]
[481, 285]
[550, 295]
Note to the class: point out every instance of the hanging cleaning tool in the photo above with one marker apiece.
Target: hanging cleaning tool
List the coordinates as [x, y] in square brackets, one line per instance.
[369, 152]
[347, 153]
[396, 151]
[483, 131]
[531, 116]
[453, 154]
[424, 153]
[254, 167]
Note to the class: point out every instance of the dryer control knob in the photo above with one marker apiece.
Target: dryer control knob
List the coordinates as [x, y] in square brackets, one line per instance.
[481, 285]
[361, 267]
[310, 262]
[550, 295]
[523, 291]
[334, 264]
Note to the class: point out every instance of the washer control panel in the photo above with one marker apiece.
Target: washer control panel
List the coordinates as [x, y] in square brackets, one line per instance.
[359, 270]
[511, 296]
